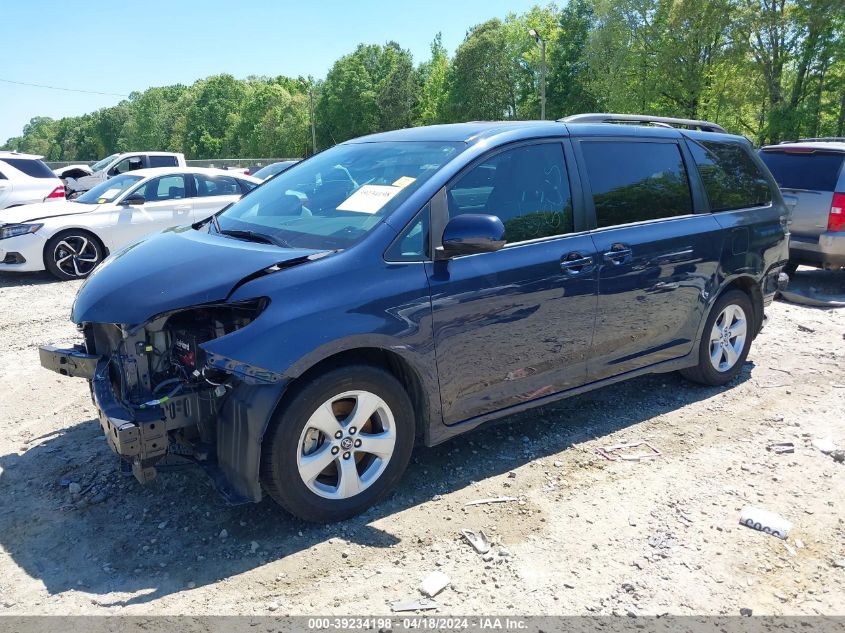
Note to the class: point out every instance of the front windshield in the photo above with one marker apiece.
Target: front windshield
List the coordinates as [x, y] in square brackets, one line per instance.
[103, 163]
[335, 198]
[109, 190]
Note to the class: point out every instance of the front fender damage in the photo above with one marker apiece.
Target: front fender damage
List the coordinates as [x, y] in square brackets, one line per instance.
[161, 396]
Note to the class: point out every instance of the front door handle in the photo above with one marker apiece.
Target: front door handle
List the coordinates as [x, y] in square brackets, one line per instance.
[575, 263]
[619, 254]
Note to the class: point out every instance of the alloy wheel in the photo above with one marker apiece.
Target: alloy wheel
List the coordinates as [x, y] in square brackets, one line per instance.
[76, 255]
[346, 445]
[727, 337]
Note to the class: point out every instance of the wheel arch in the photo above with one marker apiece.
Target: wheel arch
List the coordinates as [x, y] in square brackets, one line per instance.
[751, 287]
[397, 365]
[250, 409]
[71, 229]
[744, 283]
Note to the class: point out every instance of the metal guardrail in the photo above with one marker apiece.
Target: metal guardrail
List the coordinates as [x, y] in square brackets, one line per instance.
[221, 163]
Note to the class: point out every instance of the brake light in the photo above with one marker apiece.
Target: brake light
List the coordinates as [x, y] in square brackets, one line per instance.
[836, 219]
[57, 194]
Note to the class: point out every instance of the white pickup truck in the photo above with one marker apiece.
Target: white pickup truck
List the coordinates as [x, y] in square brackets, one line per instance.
[81, 178]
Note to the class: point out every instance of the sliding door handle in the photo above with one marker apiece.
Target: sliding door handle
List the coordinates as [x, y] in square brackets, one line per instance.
[575, 263]
[619, 254]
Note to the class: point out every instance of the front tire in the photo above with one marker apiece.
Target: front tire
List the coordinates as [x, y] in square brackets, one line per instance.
[725, 342]
[73, 254]
[338, 444]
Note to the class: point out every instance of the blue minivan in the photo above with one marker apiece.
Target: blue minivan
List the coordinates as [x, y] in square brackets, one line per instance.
[411, 285]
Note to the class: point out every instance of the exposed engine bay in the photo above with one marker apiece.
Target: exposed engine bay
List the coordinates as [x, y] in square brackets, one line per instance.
[159, 374]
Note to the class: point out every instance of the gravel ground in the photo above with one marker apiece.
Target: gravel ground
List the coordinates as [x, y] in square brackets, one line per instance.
[584, 534]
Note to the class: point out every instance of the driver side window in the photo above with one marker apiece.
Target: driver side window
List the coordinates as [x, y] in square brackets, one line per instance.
[163, 188]
[130, 163]
[526, 188]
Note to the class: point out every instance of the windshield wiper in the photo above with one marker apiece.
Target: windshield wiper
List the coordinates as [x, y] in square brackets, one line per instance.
[253, 236]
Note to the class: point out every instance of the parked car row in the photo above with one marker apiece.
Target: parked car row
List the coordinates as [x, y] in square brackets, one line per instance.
[70, 237]
[411, 285]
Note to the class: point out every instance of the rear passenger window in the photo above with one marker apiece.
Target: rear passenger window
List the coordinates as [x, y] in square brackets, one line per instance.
[216, 185]
[32, 168]
[633, 181]
[731, 178]
[526, 188]
[162, 161]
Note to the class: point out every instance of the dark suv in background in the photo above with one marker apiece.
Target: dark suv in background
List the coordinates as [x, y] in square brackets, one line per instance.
[417, 283]
[812, 171]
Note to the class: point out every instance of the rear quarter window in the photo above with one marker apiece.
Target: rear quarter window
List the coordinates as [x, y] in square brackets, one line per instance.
[817, 171]
[730, 176]
[162, 161]
[32, 168]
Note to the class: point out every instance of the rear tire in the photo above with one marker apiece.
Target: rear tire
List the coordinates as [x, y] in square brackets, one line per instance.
[338, 444]
[73, 254]
[725, 341]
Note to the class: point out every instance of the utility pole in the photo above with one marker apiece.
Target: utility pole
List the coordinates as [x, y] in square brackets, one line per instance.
[311, 116]
[542, 44]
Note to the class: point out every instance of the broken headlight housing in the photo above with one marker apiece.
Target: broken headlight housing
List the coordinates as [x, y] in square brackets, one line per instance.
[164, 357]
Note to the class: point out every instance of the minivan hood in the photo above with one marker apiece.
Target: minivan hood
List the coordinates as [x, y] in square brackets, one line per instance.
[179, 268]
[41, 210]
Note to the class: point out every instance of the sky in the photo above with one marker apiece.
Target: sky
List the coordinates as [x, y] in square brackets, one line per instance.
[120, 47]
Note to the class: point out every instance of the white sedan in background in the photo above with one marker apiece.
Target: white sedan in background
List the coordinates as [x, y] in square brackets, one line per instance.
[70, 238]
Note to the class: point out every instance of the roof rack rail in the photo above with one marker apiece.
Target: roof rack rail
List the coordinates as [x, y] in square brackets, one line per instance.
[840, 139]
[662, 121]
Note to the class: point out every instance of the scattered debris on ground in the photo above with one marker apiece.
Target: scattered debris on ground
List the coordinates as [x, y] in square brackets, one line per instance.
[479, 502]
[423, 604]
[434, 583]
[765, 521]
[619, 452]
[781, 447]
[478, 540]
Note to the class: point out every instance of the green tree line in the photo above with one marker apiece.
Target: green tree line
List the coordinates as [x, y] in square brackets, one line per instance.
[768, 69]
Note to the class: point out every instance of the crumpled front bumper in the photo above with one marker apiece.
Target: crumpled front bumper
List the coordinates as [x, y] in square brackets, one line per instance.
[139, 435]
[230, 426]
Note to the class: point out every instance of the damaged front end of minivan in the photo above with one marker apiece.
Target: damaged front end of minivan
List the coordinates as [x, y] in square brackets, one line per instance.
[158, 392]
[148, 350]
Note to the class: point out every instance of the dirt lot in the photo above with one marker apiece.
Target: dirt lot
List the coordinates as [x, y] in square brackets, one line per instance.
[586, 535]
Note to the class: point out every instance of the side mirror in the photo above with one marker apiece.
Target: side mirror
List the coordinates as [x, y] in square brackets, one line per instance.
[472, 233]
[135, 199]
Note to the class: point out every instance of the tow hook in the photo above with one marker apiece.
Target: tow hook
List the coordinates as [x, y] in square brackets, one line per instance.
[783, 281]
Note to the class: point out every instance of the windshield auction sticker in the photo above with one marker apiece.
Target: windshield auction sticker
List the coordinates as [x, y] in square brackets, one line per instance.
[404, 181]
[108, 195]
[369, 198]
